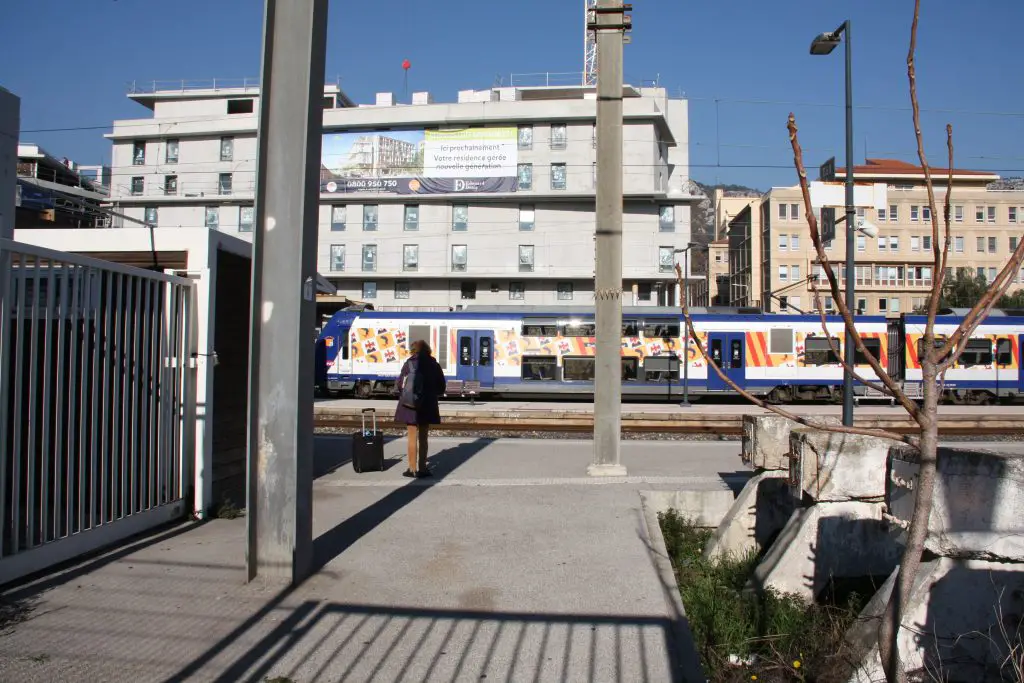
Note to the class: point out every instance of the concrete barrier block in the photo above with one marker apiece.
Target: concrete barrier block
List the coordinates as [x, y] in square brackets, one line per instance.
[706, 507]
[765, 442]
[755, 517]
[843, 539]
[832, 467]
[978, 505]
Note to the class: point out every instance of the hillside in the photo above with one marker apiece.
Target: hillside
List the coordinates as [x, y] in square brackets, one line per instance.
[702, 215]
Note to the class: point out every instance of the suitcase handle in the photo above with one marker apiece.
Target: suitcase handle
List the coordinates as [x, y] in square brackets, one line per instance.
[372, 411]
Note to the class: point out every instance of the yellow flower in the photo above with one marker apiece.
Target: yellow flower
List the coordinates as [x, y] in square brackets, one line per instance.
[753, 677]
[796, 663]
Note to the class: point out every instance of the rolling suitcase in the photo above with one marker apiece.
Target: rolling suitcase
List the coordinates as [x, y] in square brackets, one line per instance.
[368, 446]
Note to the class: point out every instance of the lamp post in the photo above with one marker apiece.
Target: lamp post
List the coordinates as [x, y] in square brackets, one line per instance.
[685, 251]
[823, 45]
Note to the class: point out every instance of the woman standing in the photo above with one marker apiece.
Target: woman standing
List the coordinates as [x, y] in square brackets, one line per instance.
[417, 403]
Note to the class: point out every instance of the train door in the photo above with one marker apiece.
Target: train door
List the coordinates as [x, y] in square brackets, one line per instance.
[1006, 378]
[728, 351]
[476, 357]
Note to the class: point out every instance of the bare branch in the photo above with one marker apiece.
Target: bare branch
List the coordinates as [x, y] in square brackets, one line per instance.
[690, 330]
[847, 315]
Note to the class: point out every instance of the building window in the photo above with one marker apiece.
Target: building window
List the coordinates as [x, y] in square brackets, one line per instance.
[979, 214]
[862, 243]
[783, 242]
[914, 217]
[665, 259]
[557, 176]
[525, 137]
[926, 243]
[410, 257]
[150, 216]
[516, 290]
[139, 153]
[794, 272]
[883, 305]
[915, 243]
[828, 245]
[526, 217]
[170, 184]
[991, 245]
[525, 258]
[338, 216]
[370, 217]
[794, 242]
[558, 136]
[783, 273]
[991, 214]
[246, 217]
[460, 217]
[643, 291]
[459, 258]
[171, 152]
[991, 274]
[369, 258]
[894, 243]
[525, 173]
[883, 242]
[224, 183]
[564, 291]
[926, 213]
[227, 149]
[894, 214]
[412, 217]
[958, 244]
[794, 211]
[958, 214]
[138, 182]
[863, 274]
[369, 289]
[783, 211]
[240, 106]
[1013, 214]
[881, 214]
[667, 218]
[981, 245]
[401, 289]
[829, 304]
[468, 290]
[212, 217]
[1013, 243]
[337, 257]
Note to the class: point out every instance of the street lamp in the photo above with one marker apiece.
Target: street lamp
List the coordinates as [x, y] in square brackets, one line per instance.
[823, 45]
[685, 403]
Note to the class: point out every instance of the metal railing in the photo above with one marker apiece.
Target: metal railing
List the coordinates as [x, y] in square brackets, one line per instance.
[188, 85]
[96, 404]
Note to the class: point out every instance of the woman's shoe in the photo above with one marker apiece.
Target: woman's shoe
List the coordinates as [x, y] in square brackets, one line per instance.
[408, 473]
[424, 473]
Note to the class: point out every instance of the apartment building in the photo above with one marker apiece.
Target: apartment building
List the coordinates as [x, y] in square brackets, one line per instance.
[55, 192]
[772, 260]
[486, 200]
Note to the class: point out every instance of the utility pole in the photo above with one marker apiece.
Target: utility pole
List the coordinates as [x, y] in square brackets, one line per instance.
[608, 18]
[279, 507]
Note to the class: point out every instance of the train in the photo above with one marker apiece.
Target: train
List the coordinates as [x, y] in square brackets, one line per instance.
[550, 352]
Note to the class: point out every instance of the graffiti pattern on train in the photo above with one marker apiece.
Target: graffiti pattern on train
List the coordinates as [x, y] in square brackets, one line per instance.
[511, 346]
[379, 345]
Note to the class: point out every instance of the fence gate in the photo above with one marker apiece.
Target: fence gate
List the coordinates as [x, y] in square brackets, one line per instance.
[96, 404]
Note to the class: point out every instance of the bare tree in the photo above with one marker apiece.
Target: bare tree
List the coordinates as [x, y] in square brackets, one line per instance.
[937, 358]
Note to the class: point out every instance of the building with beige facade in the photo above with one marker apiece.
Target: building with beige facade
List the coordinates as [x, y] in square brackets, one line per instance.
[772, 263]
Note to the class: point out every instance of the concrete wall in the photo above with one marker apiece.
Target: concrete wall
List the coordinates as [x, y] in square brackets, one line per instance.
[10, 124]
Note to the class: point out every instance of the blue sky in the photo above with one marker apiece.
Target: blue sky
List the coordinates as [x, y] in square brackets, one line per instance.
[744, 65]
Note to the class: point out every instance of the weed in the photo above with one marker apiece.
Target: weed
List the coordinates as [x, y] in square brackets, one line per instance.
[742, 633]
[228, 510]
[40, 658]
[278, 679]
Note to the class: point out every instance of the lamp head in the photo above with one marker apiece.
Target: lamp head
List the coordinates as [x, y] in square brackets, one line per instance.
[824, 43]
[867, 227]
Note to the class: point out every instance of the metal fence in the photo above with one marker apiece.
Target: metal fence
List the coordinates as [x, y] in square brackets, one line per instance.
[96, 403]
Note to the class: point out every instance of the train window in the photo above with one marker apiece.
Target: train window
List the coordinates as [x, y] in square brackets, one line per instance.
[939, 341]
[485, 351]
[1004, 352]
[818, 351]
[540, 327]
[579, 369]
[540, 368]
[418, 333]
[442, 346]
[579, 329]
[344, 347]
[874, 347]
[977, 352]
[716, 352]
[780, 340]
[465, 350]
[630, 328]
[736, 354]
[630, 369]
[661, 368]
[661, 329]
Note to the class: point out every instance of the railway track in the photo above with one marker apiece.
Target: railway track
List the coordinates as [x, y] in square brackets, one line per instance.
[636, 424]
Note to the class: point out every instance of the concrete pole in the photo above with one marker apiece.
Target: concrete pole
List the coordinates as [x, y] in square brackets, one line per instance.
[608, 280]
[851, 264]
[280, 454]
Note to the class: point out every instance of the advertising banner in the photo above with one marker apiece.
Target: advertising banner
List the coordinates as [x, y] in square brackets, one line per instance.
[469, 160]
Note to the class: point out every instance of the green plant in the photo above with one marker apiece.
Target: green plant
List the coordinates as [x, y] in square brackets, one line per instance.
[228, 510]
[741, 633]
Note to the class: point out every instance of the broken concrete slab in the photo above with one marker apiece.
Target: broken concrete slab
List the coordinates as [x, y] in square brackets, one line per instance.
[843, 539]
[704, 507]
[828, 466]
[962, 619]
[978, 503]
[755, 517]
[765, 443]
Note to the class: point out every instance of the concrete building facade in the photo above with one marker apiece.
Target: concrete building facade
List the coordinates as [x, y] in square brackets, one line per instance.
[772, 261]
[402, 225]
[58, 193]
